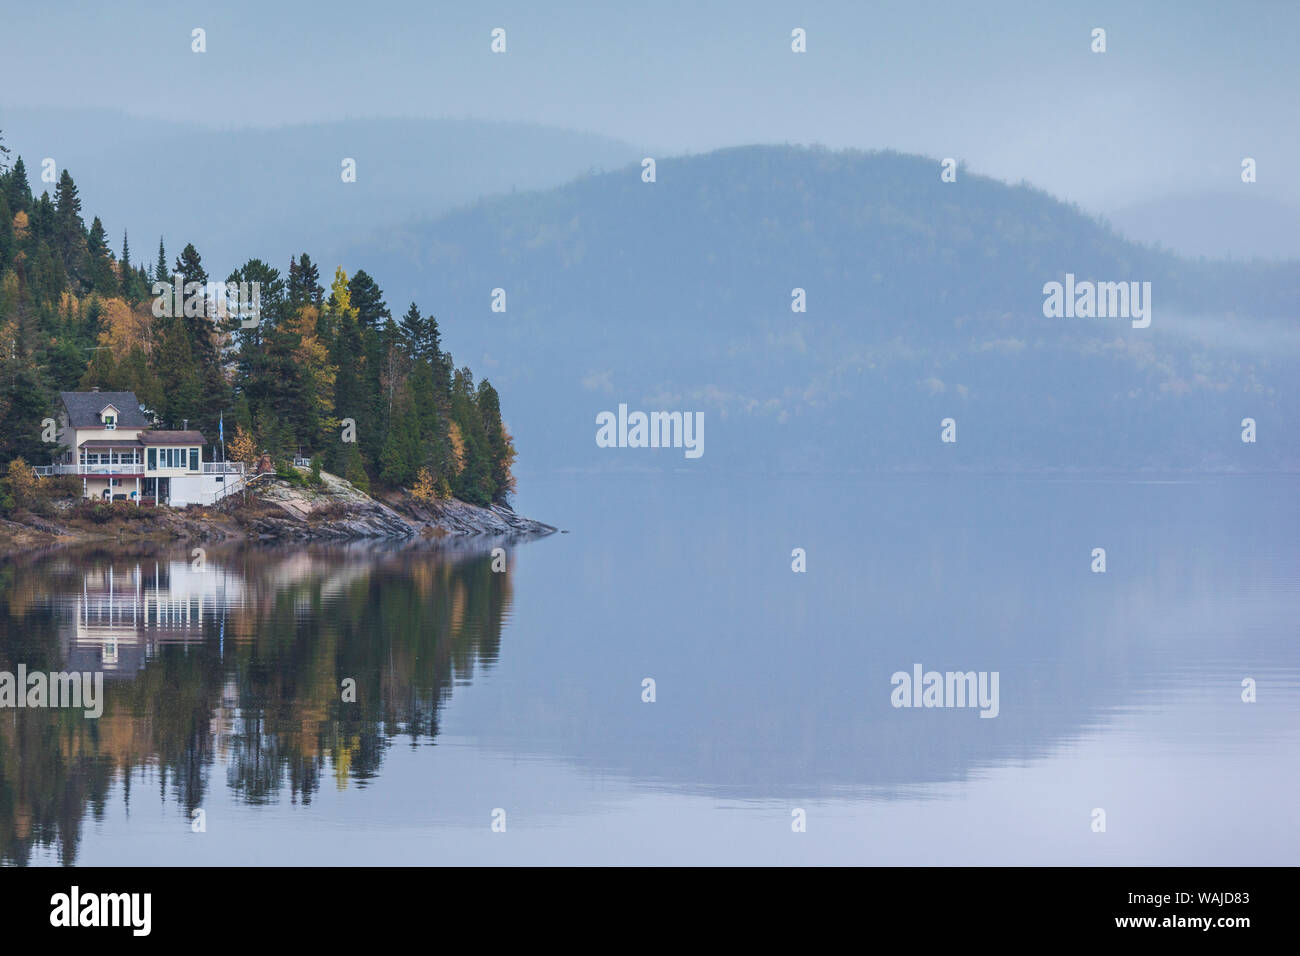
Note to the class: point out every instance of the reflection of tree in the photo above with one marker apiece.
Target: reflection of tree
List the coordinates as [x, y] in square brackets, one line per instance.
[45, 791]
[255, 685]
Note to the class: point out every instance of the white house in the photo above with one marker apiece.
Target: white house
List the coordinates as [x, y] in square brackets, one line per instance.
[109, 441]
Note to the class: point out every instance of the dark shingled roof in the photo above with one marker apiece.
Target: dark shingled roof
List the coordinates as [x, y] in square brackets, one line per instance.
[110, 443]
[172, 438]
[84, 408]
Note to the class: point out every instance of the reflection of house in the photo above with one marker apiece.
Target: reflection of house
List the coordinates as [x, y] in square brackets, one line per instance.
[111, 444]
[124, 617]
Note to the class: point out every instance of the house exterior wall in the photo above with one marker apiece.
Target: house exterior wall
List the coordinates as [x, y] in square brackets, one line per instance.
[121, 434]
[192, 490]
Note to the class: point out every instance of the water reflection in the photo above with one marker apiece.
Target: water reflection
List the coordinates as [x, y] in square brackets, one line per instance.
[124, 614]
[224, 686]
[240, 663]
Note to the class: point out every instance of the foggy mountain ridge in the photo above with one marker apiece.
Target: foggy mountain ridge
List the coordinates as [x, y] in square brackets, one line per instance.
[924, 301]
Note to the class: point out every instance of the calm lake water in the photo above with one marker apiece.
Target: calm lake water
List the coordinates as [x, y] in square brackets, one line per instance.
[521, 691]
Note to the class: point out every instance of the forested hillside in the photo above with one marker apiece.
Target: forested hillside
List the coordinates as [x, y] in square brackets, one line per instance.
[924, 300]
[327, 360]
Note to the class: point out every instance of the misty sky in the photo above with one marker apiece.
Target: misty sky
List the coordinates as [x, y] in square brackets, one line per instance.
[1183, 93]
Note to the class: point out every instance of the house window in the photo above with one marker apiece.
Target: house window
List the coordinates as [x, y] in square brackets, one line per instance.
[152, 456]
[194, 459]
[110, 422]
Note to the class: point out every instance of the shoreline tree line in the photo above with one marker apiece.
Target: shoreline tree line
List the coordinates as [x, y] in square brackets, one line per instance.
[74, 315]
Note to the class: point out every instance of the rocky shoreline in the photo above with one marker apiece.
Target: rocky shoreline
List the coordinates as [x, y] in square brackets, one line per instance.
[276, 511]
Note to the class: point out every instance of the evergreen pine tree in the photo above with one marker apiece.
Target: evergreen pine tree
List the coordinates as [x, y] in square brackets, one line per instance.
[415, 331]
[69, 229]
[43, 226]
[309, 281]
[177, 370]
[402, 455]
[474, 483]
[24, 400]
[352, 468]
[189, 265]
[135, 375]
[296, 297]
[101, 373]
[368, 300]
[160, 267]
[99, 265]
[500, 447]
[127, 284]
[202, 332]
[19, 191]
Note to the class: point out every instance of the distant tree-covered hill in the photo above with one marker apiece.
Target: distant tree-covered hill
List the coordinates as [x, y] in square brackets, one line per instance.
[924, 301]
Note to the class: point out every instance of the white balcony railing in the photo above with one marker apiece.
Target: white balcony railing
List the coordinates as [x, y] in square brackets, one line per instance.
[120, 469]
[79, 469]
[209, 468]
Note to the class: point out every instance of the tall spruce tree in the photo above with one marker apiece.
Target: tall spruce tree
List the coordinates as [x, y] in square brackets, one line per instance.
[420, 334]
[402, 454]
[19, 190]
[99, 264]
[415, 330]
[182, 386]
[189, 265]
[160, 273]
[214, 390]
[70, 230]
[309, 279]
[500, 448]
[474, 483]
[126, 273]
[368, 300]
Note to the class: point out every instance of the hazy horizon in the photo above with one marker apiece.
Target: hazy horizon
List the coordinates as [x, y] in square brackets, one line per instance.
[1177, 100]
